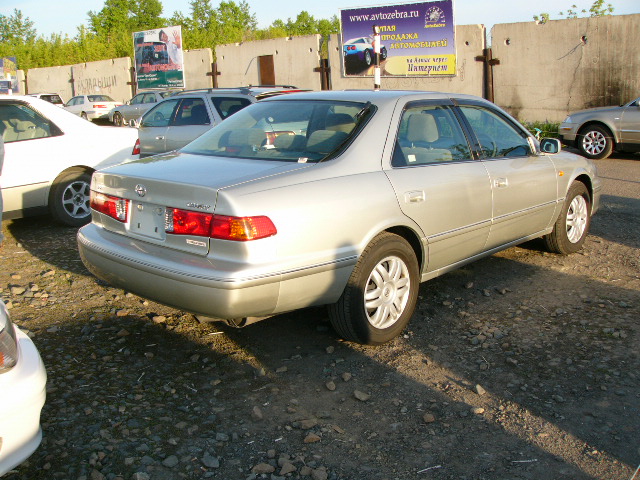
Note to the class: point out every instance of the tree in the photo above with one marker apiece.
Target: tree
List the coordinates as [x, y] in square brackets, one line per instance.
[597, 9]
[16, 29]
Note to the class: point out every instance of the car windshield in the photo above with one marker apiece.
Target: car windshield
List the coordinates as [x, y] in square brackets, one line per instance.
[296, 131]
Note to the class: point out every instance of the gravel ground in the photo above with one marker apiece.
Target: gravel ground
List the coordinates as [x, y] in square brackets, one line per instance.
[524, 365]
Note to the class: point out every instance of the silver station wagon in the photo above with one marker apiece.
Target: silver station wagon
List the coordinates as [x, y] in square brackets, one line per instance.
[347, 198]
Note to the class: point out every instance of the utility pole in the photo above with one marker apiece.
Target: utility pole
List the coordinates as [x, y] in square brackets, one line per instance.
[376, 52]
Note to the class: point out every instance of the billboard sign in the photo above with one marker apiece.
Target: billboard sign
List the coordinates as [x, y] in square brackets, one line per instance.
[158, 58]
[416, 39]
[8, 75]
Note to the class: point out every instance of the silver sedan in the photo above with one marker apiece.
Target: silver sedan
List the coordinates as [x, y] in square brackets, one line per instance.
[597, 132]
[348, 199]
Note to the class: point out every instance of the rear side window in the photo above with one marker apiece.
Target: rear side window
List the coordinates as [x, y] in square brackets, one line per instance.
[160, 115]
[19, 122]
[429, 134]
[192, 111]
[497, 136]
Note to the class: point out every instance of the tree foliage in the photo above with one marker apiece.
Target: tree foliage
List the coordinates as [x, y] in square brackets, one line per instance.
[108, 33]
[598, 9]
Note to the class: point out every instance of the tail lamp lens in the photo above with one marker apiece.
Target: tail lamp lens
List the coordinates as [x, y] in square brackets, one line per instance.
[114, 207]
[223, 227]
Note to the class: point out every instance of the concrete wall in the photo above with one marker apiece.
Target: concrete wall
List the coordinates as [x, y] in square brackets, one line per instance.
[470, 40]
[294, 60]
[549, 70]
[51, 80]
[108, 77]
[197, 64]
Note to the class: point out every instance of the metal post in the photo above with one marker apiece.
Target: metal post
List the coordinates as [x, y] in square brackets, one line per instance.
[376, 51]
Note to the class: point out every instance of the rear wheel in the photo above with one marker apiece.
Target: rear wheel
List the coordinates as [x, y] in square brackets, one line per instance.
[117, 119]
[368, 60]
[381, 294]
[69, 201]
[84, 115]
[595, 142]
[571, 228]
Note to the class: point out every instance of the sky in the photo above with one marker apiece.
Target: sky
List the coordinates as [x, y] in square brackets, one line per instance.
[70, 14]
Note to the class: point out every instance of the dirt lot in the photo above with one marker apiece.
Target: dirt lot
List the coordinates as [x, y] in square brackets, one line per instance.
[524, 365]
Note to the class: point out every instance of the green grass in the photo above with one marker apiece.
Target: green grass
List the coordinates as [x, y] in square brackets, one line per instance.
[549, 130]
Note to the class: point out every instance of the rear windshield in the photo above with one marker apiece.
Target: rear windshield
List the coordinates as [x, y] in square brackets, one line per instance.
[100, 98]
[297, 131]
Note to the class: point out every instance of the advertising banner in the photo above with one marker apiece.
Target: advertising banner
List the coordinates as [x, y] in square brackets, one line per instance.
[8, 75]
[416, 39]
[158, 58]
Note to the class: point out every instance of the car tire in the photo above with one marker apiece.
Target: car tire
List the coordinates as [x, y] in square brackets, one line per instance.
[83, 115]
[595, 142]
[69, 201]
[368, 59]
[118, 121]
[570, 230]
[381, 293]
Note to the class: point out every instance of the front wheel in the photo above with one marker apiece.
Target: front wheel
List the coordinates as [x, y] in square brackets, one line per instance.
[368, 59]
[69, 201]
[570, 230]
[595, 142]
[381, 294]
[83, 115]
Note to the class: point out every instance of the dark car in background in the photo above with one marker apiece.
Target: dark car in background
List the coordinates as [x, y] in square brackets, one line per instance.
[183, 117]
[597, 132]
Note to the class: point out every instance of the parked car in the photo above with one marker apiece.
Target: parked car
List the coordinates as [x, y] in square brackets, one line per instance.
[22, 382]
[136, 107]
[91, 107]
[50, 155]
[49, 97]
[360, 50]
[597, 132]
[348, 199]
[181, 118]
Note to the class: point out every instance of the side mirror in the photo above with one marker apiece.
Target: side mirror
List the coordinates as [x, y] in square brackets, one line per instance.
[550, 145]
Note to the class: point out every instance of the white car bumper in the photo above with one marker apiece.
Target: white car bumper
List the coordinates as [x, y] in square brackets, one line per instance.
[22, 396]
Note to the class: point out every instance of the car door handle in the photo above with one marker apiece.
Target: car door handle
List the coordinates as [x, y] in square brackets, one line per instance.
[159, 137]
[415, 196]
[500, 183]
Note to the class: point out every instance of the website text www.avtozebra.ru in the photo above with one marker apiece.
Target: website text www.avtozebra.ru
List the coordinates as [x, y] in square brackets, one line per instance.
[384, 16]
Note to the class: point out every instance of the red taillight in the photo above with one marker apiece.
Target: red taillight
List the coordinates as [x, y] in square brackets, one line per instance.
[242, 229]
[99, 105]
[114, 207]
[238, 229]
[186, 222]
[136, 148]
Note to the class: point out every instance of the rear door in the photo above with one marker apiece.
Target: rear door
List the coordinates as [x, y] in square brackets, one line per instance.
[191, 119]
[523, 183]
[153, 129]
[630, 123]
[439, 184]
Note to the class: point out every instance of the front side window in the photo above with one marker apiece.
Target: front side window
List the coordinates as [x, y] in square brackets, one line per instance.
[429, 134]
[497, 136]
[160, 115]
[19, 122]
[294, 131]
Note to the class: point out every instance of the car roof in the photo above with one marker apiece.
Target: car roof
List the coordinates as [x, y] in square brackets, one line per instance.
[379, 96]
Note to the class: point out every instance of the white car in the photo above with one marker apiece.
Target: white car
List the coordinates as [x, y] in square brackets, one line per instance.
[50, 155]
[23, 380]
[91, 107]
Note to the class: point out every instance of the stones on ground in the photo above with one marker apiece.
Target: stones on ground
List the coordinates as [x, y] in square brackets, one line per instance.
[312, 438]
[428, 417]
[171, 461]
[263, 468]
[331, 386]
[210, 461]
[257, 414]
[479, 390]
[346, 376]
[363, 397]
[287, 468]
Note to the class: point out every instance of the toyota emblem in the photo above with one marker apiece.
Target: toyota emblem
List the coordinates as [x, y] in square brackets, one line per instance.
[141, 190]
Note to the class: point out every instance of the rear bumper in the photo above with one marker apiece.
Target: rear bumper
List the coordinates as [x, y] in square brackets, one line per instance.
[21, 401]
[203, 286]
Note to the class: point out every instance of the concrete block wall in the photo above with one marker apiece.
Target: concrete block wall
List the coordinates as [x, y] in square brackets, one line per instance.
[197, 66]
[107, 77]
[51, 80]
[294, 60]
[549, 70]
[470, 41]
